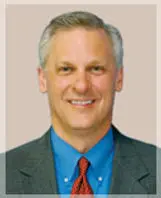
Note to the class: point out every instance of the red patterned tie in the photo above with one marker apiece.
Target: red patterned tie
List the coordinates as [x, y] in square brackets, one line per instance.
[81, 185]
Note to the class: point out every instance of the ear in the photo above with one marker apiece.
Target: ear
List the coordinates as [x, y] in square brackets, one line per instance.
[119, 79]
[42, 80]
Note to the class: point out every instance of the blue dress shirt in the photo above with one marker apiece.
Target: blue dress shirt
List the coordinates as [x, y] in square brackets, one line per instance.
[66, 163]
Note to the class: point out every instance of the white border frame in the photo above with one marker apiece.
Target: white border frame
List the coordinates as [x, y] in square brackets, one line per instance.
[3, 70]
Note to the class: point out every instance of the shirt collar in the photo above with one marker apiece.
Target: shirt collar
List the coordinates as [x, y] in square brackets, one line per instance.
[99, 154]
[67, 157]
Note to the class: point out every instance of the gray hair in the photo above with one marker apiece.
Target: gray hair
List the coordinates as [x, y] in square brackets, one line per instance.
[79, 19]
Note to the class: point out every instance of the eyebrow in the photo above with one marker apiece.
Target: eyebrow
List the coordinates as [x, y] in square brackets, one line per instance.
[93, 62]
[63, 63]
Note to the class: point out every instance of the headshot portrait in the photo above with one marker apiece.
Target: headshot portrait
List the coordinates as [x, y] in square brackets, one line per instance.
[81, 115]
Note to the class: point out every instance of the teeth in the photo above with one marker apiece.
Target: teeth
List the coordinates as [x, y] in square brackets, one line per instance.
[81, 102]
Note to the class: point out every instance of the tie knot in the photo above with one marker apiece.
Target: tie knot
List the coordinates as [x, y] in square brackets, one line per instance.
[83, 165]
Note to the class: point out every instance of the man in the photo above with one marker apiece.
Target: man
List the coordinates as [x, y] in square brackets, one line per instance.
[81, 69]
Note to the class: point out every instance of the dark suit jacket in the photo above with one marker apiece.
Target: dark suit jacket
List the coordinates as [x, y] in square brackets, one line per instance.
[30, 168]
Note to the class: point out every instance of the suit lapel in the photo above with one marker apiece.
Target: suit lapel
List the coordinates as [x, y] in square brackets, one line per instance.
[38, 173]
[128, 169]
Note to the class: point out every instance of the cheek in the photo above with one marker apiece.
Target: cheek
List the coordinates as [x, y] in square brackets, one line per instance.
[61, 83]
[58, 85]
[103, 84]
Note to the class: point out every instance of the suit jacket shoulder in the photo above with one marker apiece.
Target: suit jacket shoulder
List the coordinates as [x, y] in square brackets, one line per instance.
[30, 168]
[14, 160]
[17, 157]
[142, 149]
[135, 164]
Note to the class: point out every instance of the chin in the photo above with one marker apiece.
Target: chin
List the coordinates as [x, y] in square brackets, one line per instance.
[81, 126]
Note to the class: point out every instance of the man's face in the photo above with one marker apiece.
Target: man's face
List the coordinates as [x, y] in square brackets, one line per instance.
[80, 78]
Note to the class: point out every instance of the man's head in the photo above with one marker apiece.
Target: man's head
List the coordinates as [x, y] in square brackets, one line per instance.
[81, 68]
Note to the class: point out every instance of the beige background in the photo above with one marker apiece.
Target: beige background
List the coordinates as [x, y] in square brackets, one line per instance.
[27, 109]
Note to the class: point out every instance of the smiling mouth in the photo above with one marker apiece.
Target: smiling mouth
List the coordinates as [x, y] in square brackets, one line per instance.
[81, 103]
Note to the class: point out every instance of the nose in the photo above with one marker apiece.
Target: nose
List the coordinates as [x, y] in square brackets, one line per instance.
[82, 82]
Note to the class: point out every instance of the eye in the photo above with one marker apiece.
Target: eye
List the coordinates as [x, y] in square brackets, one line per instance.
[97, 69]
[65, 70]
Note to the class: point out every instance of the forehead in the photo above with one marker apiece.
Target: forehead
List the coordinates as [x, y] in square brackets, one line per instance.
[80, 43]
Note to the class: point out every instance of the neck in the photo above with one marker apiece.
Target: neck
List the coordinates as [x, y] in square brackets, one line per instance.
[82, 139]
